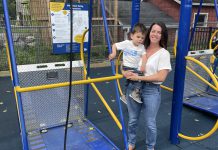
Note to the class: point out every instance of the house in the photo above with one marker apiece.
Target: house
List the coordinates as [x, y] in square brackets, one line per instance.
[207, 17]
[149, 13]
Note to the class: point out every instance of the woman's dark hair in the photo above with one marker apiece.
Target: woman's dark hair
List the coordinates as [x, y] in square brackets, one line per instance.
[164, 35]
[138, 27]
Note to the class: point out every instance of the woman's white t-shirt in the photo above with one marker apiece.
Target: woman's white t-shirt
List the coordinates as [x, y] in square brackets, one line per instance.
[158, 61]
[131, 54]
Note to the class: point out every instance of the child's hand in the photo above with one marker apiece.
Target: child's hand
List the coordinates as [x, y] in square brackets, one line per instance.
[111, 56]
[142, 68]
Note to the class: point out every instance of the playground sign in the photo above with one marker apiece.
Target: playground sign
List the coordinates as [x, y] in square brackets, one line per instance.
[60, 24]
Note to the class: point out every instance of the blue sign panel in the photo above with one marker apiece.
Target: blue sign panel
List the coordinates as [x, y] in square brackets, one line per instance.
[60, 23]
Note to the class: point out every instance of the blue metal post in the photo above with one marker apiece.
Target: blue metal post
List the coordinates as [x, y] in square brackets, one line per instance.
[88, 63]
[216, 8]
[180, 68]
[195, 24]
[14, 73]
[135, 12]
[114, 73]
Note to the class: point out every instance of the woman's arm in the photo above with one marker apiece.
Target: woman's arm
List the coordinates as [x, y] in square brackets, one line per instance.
[160, 76]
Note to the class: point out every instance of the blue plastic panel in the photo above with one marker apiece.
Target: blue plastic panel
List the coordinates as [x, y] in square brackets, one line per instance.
[204, 103]
[80, 136]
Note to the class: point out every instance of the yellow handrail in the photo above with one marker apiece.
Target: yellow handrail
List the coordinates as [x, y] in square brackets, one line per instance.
[117, 68]
[211, 39]
[216, 47]
[78, 82]
[8, 56]
[175, 45]
[215, 127]
[10, 70]
[212, 59]
[95, 88]
[206, 69]
[166, 88]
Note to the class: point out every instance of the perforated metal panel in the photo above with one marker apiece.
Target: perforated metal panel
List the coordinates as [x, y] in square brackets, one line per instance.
[48, 108]
[193, 85]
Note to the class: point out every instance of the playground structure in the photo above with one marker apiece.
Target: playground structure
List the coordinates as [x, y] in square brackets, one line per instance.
[44, 82]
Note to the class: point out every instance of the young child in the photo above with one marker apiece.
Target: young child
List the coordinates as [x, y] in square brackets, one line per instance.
[133, 53]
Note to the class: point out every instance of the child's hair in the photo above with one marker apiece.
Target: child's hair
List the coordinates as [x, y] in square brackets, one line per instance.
[138, 27]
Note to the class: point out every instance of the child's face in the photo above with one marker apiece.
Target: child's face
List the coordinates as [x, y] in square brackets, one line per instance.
[138, 38]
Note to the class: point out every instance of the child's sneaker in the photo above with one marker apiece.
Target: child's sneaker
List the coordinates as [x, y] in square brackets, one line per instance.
[135, 95]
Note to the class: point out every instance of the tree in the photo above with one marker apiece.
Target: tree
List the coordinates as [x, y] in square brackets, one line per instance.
[11, 8]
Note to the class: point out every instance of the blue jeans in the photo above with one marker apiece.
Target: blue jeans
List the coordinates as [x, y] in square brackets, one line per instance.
[151, 98]
[135, 84]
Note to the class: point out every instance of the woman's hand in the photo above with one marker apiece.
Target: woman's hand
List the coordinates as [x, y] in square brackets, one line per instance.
[127, 73]
[133, 77]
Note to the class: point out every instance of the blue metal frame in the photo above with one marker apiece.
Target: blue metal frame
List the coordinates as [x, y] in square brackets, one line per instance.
[216, 8]
[135, 12]
[101, 133]
[114, 73]
[195, 24]
[180, 68]
[14, 73]
[88, 61]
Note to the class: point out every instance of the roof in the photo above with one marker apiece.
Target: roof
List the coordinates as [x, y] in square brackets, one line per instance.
[149, 13]
[197, 2]
[205, 1]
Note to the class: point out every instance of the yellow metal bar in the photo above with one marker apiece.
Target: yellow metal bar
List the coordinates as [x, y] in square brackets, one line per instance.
[207, 70]
[107, 106]
[8, 55]
[201, 78]
[95, 88]
[119, 87]
[175, 46]
[211, 39]
[82, 53]
[15, 95]
[117, 68]
[212, 59]
[166, 88]
[10, 70]
[215, 127]
[49, 86]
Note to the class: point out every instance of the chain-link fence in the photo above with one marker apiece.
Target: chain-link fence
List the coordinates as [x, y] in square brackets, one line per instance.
[32, 37]
[32, 44]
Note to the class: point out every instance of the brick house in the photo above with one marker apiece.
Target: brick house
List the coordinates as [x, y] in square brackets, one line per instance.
[172, 8]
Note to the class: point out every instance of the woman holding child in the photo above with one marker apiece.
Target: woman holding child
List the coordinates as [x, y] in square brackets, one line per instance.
[156, 70]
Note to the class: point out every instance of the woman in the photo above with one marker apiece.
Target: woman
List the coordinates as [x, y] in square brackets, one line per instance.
[157, 68]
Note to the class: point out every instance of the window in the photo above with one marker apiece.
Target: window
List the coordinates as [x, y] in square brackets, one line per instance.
[202, 19]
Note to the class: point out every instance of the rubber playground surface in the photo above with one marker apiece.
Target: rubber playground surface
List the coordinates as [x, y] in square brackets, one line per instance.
[194, 122]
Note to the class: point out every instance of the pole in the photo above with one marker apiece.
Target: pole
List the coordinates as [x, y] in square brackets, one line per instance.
[135, 12]
[180, 68]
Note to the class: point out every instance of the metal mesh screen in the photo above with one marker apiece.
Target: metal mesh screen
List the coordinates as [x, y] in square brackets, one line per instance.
[193, 85]
[48, 108]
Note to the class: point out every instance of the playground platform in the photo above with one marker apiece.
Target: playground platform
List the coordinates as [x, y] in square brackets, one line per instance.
[194, 122]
